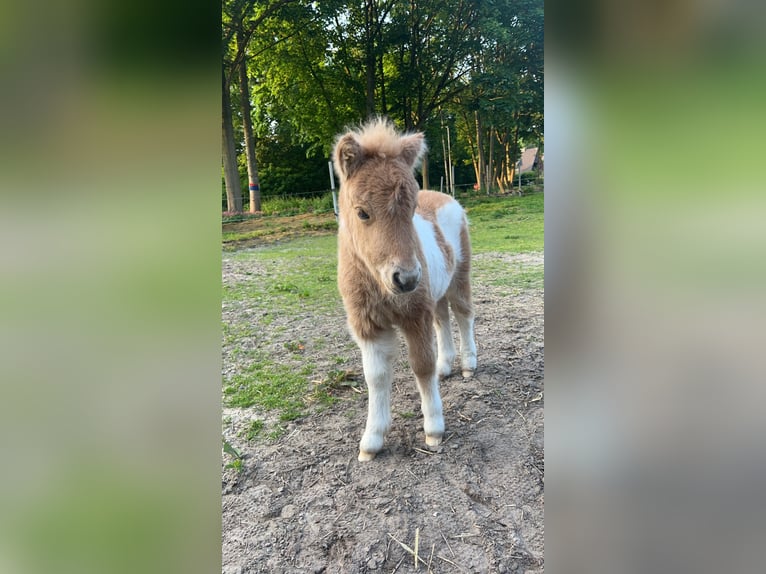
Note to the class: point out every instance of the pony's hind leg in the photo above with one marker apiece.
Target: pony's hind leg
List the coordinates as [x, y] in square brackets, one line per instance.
[467, 343]
[420, 344]
[377, 359]
[445, 347]
[460, 302]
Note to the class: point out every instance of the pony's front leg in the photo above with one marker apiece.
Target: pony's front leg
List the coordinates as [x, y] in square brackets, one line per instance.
[377, 358]
[420, 343]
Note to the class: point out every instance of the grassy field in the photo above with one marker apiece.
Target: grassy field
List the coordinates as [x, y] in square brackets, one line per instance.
[291, 273]
[509, 222]
[506, 224]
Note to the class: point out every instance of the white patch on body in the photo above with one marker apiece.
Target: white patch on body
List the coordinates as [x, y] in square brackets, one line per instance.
[451, 219]
[439, 279]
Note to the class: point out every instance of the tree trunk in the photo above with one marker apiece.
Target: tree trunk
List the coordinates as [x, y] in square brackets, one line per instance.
[492, 168]
[247, 125]
[471, 146]
[383, 105]
[370, 19]
[479, 151]
[446, 168]
[515, 151]
[449, 165]
[230, 171]
[424, 171]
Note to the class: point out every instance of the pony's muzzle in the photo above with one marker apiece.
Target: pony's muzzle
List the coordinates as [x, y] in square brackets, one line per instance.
[406, 281]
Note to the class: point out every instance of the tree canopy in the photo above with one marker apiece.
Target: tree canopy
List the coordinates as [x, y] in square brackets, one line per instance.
[313, 68]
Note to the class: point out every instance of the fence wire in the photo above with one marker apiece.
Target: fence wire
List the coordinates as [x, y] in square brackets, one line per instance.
[320, 201]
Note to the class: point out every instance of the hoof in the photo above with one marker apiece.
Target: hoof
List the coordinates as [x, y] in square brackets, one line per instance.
[433, 440]
[467, 374]
[365, 456]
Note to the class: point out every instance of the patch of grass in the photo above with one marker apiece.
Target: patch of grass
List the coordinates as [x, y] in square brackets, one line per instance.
[230, 217]
[269, 385]
[291, 413]
[292, 288]
[232, 236]
[506, 224]
[294, 346]
[254, 429]
[233, 333]
[301, 271]
[323, 226]
[336, 382]
[531, 279]
[407, 415]
[276, 432]
[500, 273]
[281, 219]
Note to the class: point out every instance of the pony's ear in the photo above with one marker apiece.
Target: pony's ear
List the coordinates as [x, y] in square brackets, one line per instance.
[347, 155]
[413, 148]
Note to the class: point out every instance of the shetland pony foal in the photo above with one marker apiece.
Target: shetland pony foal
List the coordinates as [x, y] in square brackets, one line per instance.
[403, 261]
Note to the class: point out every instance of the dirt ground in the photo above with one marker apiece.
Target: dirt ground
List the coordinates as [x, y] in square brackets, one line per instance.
[303, 503]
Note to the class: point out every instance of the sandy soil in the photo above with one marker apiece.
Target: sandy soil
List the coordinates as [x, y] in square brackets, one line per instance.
[303, 503]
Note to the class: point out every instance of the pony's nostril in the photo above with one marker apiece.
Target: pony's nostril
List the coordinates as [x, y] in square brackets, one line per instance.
[406, 282]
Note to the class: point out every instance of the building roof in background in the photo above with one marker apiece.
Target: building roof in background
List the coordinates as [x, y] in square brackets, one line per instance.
[528, 157]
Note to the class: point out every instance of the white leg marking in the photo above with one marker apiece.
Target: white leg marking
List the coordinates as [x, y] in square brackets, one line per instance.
[444, 344]
[446, 353]
[378, 358]
[431, 405]
[467, 344]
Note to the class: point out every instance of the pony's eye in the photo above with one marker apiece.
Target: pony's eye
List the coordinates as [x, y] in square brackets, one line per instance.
[363, 215]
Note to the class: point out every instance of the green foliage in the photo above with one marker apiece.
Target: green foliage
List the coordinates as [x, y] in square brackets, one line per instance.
[230, 450]
[529, 177]
[294, 205]
[236, 463]
[287, 166]
[318, 67]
